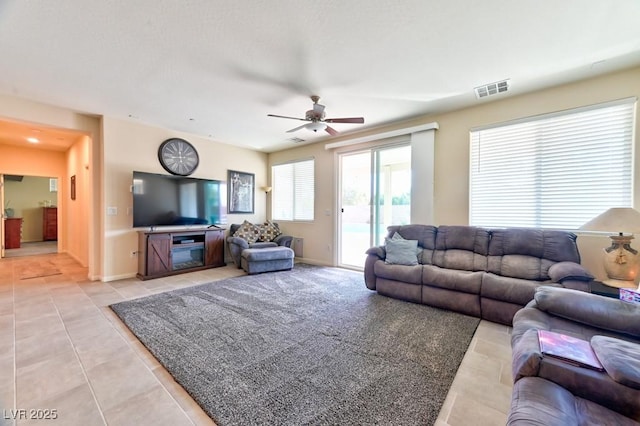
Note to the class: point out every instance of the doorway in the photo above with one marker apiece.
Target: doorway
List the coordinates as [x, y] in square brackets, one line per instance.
[30, 215]
[375, 192]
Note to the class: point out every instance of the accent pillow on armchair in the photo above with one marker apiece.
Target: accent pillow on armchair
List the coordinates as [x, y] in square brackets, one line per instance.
[247, 231]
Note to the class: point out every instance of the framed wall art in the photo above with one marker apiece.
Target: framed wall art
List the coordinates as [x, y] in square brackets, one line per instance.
[241, 191]
[73, 187]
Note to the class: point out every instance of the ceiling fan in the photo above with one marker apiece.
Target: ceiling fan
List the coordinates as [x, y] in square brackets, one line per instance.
[316, 119]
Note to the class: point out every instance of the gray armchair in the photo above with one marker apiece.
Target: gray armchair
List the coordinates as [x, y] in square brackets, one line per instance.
[237, 244]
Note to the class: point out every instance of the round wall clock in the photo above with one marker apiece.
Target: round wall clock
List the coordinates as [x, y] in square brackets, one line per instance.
[178, 157]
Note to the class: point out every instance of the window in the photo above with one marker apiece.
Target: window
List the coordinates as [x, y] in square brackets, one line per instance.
[553, 171]
[293, 191]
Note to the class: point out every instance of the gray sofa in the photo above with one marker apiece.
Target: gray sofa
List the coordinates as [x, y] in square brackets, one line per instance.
[488, 273]
[613, 328]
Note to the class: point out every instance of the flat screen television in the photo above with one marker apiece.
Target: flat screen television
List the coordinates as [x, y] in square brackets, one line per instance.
[167, 200]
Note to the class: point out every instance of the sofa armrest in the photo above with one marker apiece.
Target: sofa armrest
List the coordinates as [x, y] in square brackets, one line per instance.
[562, 271]
[526, 356]
[591, 309]
[240, 242]
[373, 255]
[283, 240]
[377, 251]
[236, 245]
[369, 271]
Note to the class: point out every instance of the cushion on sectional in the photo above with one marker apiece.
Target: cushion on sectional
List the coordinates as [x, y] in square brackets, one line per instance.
[401, 252]
[507, 289]
[459, 259]
[468, 238]
[461, 247]
[569, 271]
[525, 267]
[558, 246]
[621, 359]
[451, 279]
[590, 309]
[509, 248]
[425, 234]
[402, 273]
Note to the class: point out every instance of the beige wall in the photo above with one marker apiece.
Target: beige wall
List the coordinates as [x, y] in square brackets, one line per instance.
[76, 214]
[130, 146]
[451, 192]
[73, 216]
[52, 163]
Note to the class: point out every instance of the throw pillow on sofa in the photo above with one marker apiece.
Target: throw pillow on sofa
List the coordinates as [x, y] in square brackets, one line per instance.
[401, 251]
[248, 231]
[268, 231]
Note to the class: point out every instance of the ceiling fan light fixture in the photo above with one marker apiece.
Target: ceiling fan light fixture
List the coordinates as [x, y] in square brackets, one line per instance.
[316, 126]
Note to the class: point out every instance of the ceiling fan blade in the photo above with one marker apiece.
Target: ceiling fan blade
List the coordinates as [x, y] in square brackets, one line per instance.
[331, 131]
[284, 116]
[358, 120]
[297, 128]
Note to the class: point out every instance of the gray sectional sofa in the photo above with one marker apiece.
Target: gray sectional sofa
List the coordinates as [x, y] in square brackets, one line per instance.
[531, 279]
[488, 273]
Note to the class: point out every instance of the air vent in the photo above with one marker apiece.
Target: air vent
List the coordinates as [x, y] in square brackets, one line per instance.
[492, 89]
[295, 140]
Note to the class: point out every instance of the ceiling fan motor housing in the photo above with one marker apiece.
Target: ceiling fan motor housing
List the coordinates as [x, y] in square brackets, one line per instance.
[313, 115]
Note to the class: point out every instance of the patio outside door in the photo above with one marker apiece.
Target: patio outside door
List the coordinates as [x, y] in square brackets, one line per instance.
[375, 192]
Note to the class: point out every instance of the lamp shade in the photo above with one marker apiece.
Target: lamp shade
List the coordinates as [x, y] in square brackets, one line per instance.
[617, 219]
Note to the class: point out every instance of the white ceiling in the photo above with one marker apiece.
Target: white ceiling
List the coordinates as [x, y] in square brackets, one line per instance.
[217, 68]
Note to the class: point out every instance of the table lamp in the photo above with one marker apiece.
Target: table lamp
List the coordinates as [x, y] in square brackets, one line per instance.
[621, 261]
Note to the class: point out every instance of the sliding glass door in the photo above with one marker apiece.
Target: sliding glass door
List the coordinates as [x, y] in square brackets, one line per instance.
[375, 192]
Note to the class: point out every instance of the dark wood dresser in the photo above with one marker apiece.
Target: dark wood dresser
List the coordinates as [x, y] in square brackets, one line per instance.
[50, 223]
[12, 232]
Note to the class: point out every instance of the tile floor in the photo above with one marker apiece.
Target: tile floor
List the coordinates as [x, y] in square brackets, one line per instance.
[64, 354]
[33, 248]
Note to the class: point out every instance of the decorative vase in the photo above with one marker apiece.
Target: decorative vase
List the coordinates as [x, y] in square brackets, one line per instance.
[8, 212]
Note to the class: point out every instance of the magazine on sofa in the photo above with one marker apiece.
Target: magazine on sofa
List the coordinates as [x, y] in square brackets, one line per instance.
[570, 349]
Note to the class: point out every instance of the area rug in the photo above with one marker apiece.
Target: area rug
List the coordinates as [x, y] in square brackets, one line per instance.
[303, 347]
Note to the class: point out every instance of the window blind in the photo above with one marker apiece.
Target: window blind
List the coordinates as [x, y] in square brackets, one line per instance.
[293, 193]
[554, 171]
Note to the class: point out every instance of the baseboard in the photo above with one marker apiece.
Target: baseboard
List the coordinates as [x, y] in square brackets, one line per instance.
[117, 277]
[311, 261]
[74, 257]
